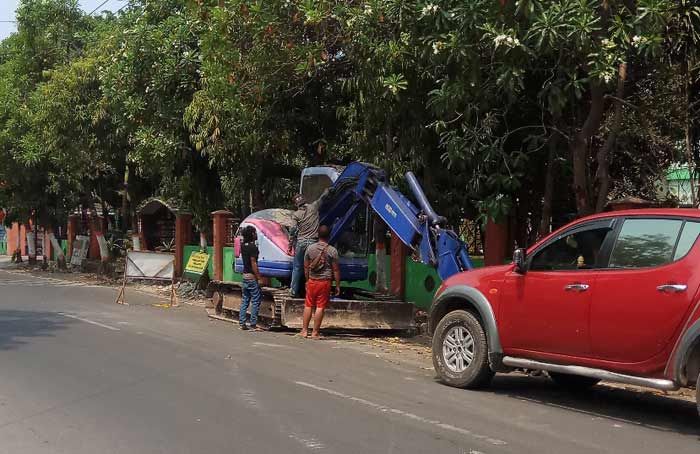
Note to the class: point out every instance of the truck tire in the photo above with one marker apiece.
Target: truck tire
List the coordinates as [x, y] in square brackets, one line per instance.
[460, 351]
[573, 382]
[697, 393]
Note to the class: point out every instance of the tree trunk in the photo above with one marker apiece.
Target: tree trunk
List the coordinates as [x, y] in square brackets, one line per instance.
[546, 219]
[688, 135]
[602, 177]
[125, 201]
[580, 150]
[202, 241]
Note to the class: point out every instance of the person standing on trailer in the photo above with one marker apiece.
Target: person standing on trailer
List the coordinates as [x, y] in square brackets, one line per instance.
[252, 294]
[321, 269]
[306, 233]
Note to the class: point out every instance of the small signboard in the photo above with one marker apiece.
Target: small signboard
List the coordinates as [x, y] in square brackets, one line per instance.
[196, 268]
[151, 266]
[40, 242]
[197, 264]
[80, 250]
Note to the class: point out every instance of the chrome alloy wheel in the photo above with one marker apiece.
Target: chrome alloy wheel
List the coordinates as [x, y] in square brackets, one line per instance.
[458, 349]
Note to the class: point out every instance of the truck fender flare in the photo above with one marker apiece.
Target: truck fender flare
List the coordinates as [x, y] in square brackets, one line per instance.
[689, 340]
[478, 301]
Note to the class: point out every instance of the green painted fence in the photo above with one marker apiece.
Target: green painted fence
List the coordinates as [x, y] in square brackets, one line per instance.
[421, 281]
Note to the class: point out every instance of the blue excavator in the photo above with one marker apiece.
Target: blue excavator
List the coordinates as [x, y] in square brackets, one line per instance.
[348, 196]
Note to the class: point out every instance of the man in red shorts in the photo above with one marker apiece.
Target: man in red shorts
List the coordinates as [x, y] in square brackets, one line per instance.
[321, 269]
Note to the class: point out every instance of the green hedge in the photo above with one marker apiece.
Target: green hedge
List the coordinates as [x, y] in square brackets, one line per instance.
[229, 274]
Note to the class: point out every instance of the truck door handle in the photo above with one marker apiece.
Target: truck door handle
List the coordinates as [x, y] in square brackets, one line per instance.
[672, 288]
[577, 287]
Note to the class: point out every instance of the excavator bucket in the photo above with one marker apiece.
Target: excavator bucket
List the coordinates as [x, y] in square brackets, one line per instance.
[279, 310]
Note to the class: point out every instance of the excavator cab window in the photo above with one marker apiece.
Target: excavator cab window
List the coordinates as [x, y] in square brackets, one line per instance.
[354, 242]
[312, 186]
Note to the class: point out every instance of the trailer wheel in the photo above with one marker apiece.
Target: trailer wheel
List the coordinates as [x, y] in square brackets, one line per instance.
[460, 351]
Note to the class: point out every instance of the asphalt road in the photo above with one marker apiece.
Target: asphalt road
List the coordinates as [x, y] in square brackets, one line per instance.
[79, 374]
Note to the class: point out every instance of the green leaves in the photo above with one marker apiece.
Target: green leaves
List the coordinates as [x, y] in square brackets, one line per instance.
[394, 83]
[244, 93]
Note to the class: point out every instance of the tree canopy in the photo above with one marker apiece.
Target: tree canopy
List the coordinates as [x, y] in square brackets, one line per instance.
[529, 110]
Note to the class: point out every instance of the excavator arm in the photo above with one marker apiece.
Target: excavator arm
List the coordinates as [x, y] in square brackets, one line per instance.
[420, 228]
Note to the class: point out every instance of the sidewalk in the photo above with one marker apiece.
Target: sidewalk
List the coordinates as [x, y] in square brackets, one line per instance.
[77, 277]
[6, 262]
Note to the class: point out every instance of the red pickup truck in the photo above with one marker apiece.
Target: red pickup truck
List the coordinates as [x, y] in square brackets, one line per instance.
[612, 296]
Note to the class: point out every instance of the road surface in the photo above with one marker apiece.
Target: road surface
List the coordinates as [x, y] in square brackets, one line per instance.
[79, 374]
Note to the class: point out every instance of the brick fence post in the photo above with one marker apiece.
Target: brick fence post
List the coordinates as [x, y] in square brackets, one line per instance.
[95, 228]
[398, 267]
[71, 232]
[48, 247]
[183, 237]
[496, 244]
[219, 219]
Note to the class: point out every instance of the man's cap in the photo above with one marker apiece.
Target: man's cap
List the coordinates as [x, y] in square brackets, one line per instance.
[299, 200]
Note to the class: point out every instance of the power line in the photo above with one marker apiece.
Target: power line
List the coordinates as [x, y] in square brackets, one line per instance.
[101, 5]
[128, 2]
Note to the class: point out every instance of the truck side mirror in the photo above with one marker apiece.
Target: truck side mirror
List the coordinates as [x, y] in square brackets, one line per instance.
[520, 261]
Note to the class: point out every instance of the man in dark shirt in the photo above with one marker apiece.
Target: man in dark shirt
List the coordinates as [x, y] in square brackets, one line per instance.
[251, 278]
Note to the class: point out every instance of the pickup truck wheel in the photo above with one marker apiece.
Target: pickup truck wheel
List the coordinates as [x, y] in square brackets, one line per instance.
[573, 382]
[460, 351]
[697, 393]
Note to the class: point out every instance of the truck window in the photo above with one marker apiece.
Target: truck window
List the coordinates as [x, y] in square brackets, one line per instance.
[645, 243]
[690, 233]
[578, 251]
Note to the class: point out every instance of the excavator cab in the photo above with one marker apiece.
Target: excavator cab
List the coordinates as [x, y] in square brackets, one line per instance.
[315, 180]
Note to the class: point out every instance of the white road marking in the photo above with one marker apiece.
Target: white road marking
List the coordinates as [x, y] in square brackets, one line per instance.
[311, 443]
[265, 344]
[92, 322]
[412, 416]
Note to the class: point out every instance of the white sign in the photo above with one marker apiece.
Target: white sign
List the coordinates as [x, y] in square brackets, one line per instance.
[104, 247]
[150, 265]
[80, 250]
[31, 245]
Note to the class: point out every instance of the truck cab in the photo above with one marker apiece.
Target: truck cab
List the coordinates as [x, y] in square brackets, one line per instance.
[609, 297]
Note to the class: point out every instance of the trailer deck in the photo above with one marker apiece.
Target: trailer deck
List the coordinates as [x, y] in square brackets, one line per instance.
[354, 310]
